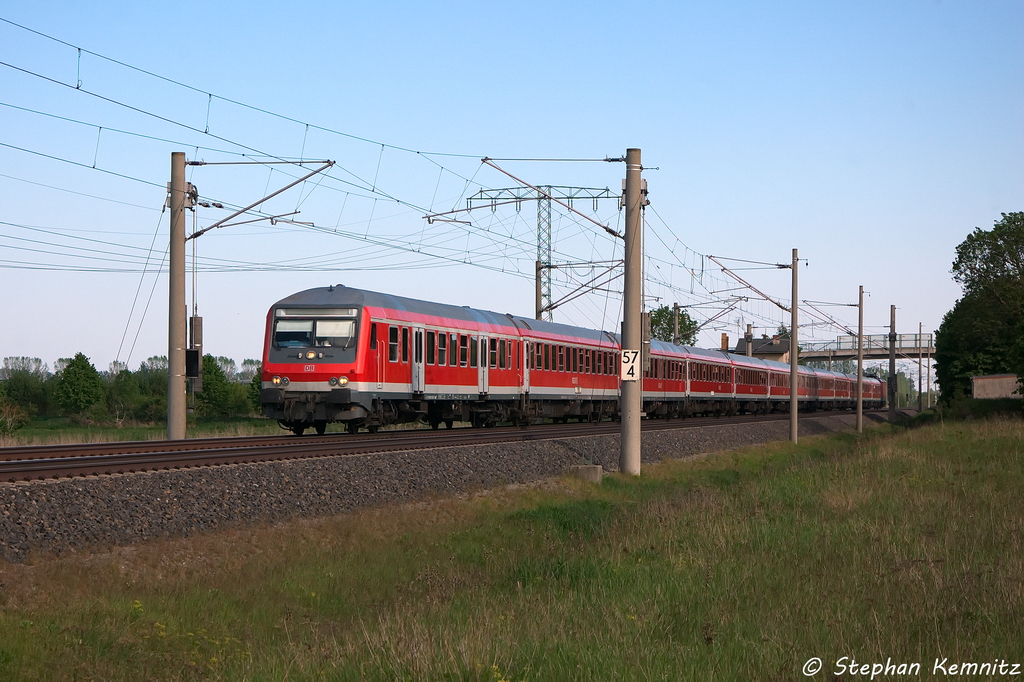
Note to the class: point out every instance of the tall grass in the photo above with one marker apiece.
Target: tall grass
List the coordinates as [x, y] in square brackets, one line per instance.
[739, 566]
[59, 431]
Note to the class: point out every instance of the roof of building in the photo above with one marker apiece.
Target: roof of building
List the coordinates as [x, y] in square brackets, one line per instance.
[764, 346]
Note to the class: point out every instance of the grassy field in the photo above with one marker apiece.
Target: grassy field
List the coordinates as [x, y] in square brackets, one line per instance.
[902, 545]
[57, 431]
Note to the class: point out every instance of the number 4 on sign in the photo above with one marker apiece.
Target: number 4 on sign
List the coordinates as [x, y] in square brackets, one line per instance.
[630, 365]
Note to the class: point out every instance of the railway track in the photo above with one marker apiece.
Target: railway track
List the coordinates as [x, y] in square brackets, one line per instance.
[92, 459]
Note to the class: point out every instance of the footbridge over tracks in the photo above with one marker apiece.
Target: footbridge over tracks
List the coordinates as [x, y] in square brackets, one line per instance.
[876, 347]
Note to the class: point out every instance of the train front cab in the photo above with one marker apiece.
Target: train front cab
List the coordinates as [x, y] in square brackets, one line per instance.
[310, 364]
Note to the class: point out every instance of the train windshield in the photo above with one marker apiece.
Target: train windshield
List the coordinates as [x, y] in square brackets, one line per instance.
[293, 334]
[315, 333]
[338, 333]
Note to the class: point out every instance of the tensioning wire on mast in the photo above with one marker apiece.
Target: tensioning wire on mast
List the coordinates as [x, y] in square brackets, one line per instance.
[135, 300]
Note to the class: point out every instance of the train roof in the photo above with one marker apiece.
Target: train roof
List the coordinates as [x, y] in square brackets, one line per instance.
[340, 296]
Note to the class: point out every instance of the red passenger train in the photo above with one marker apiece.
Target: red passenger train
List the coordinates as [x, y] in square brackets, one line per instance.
[367, 359]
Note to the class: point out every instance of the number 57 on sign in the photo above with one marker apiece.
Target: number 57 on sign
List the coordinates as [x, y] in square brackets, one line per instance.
[630, 369]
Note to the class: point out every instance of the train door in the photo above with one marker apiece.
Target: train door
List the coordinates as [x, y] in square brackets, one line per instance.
[483, 380]
[417, 360]
[525, 350]
[378, 352]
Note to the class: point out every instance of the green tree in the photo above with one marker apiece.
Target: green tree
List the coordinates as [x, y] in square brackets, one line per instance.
[79, 385]
[255, 388]
[662, 326]
[214, 399]
[983, 332]
[123, 395]
[26, 383]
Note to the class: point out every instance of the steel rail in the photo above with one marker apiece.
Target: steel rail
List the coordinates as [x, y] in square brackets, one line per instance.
[141, 456]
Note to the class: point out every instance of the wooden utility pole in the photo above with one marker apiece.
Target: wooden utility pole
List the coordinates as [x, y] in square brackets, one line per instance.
[631, 394]
[177, 310]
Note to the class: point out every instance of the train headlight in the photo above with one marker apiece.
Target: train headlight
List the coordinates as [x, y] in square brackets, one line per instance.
[333, 381]
[310, 355]
[285, 381]
[342, 380]
[276, 381]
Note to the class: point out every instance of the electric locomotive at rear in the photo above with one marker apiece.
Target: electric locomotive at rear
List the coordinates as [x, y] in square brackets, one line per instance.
[368, 359]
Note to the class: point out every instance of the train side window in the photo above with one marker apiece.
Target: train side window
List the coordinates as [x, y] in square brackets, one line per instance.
[392, 344]
[474, 351]
[453, 350]
[561, 358]
[493, 354]
[430, 347]
[373, 336]
[442, 348]
[547, 356]
[463, 350]
[587, 361]
[519, 355]
[503, 358]
[405, 344]
[417, 349]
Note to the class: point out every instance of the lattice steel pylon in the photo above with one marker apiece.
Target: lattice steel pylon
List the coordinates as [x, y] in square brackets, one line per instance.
[543, 198]
[544, 254]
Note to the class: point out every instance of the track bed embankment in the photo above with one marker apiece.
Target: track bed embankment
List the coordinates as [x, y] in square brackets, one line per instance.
[55, 516]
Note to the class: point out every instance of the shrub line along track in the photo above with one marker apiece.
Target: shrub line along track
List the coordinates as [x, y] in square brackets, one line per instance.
[89, 459]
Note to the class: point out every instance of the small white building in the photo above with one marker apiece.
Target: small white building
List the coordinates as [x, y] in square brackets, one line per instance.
[995, 386]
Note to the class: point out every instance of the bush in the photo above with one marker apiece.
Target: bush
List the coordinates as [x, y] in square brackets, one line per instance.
[12, 417]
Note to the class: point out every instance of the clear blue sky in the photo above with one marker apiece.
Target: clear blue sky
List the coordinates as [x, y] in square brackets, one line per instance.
[872, 136]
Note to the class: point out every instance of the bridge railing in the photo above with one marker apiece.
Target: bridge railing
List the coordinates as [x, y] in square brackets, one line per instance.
[873, 342]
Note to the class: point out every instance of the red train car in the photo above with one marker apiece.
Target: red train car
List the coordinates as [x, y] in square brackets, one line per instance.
[368, 359]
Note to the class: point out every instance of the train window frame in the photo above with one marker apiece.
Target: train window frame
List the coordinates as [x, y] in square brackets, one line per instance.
[442, 348]
[474, 350]
[430, 346]
[503, 358]
[373, 336]
[417, 346]
[587, 361]
[453, 349]
[405, 344]
[463, 350]
[392, 343]
[561, 358]
[492, 355]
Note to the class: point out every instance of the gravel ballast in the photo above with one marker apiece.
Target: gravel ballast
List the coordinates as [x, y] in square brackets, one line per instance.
[71, 514]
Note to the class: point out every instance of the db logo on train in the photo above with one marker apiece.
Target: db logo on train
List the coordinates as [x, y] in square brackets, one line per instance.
[309, 368]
